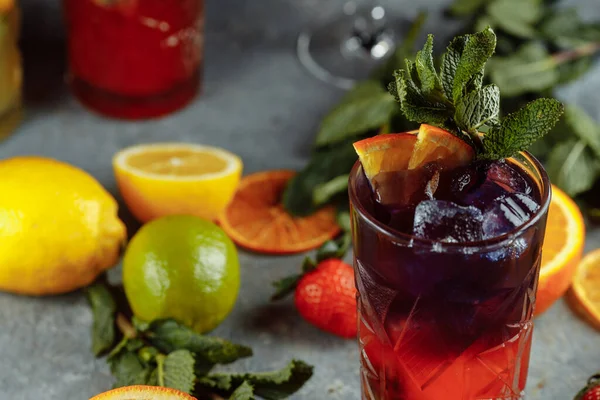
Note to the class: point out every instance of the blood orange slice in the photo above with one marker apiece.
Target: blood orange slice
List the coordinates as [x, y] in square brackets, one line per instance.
[385, 153]
[436, 144]
[256, 220]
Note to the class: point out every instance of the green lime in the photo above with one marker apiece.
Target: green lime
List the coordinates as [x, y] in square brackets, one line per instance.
[182, 267]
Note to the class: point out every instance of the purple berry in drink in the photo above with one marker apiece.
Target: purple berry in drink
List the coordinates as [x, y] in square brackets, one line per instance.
[447, 222]
[507, 213]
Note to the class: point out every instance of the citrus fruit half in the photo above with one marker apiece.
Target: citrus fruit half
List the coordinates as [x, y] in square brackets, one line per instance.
[563, 246]
[256, 220]
[182, 267]
[162, 179]
[584, 295]
[141, 392]
[59, 227]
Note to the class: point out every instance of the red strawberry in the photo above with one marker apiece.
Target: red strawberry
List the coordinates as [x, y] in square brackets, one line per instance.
[326, 297]
[591, 391]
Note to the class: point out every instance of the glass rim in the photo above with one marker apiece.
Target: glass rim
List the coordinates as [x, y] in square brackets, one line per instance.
[491, 243]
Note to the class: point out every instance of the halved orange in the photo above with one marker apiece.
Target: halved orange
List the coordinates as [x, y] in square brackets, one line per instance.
[584, 295]
[384, 153]
[256, 220]
[141, 392]
[436, 144]
[563, 246]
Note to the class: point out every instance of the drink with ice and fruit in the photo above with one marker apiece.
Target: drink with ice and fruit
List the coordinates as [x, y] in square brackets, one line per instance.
[448, 228]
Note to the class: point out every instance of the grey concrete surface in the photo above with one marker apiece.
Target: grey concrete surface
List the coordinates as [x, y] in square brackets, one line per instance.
[260, 103]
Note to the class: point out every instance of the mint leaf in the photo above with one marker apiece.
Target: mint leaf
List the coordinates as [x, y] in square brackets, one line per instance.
[367, 106]
[516, 17]
[325, 165]
[168, 335]
[244, 392]
[176, 371]
[324, 192]
[478, 107]
[530, 69]
[129, 370]
[584, 127]
[478, 48]
[285, 286]
[415, 106]
[450, 61]
[466, 7]
[521, 128]
[274, 385]
[572, 167]
[103, 310]
[430, 82]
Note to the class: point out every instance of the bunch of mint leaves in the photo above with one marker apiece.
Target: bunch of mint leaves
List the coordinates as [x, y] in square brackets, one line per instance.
[169, 354]
[539, 47]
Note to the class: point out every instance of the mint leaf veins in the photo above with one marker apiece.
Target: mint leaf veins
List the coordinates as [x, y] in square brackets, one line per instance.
[457, 100]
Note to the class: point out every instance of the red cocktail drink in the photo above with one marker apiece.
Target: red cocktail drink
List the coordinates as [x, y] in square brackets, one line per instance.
[135, 58]
[447, 280]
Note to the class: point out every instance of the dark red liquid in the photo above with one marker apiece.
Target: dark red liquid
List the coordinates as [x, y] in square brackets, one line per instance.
[135, 58]
[440, 319]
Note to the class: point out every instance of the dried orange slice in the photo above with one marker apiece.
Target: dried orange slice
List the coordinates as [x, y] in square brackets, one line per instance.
[436, 144]
[584, 295]
[256, 220]
[563, 246]
[383, 153]
[141, 392]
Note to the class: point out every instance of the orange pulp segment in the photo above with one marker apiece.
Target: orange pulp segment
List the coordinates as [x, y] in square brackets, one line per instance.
[256, 220]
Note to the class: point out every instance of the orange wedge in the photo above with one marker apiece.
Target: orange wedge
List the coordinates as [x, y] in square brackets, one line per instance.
[384, 153]
[143, 393]
[584, 295]
[256, 220]
[162, 179]
[436, 144]
[563, 246]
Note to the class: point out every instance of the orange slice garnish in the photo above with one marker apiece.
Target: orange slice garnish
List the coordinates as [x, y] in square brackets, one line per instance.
[256, 220]
[436, 144]
[142, 392]
[584, 295]
[563, 246]
[385, 153]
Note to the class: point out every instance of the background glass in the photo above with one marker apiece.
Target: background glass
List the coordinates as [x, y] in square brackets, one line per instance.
[445, 320]
[11, 72]
[347, 48]
[135, 58]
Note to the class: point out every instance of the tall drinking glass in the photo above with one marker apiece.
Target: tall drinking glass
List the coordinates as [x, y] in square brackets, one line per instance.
[448, 321]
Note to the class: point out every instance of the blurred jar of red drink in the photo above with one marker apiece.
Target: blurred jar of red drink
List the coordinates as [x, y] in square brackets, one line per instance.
[135, 59]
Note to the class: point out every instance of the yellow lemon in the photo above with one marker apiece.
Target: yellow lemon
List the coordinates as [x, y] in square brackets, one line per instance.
[162, 179]
[182, 267]
[58, 227]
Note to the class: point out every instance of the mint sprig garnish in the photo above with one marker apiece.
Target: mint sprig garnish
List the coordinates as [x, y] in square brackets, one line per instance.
[169, 354]
[456, 100]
